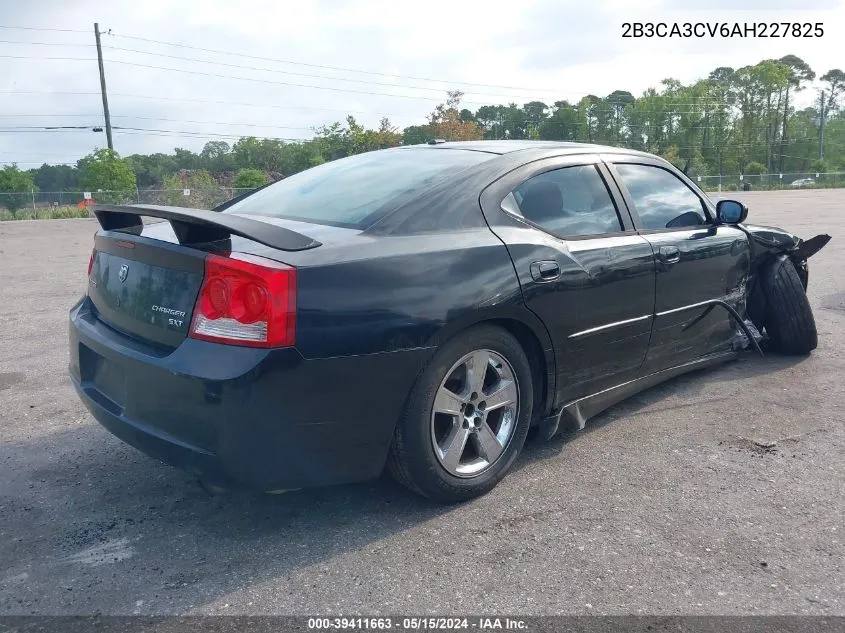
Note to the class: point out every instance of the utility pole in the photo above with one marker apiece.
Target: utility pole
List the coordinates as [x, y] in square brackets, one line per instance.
[821, 125]
[103, 86]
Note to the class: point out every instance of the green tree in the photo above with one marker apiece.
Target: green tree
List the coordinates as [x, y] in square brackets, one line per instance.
[337, 140]
[249, 179]
[217, 157]
[56, 178]
[203, 190]
[467, 116]
[445, 121]
[588, 113]
[151, 170]
[186, 159]
[107, 176]
[562, 125]
[415, 134]
[753, 170]
[15, 188]
[799, 73]
[618, 100]
[264, 154]
[534, 113]
[835, 80]
[214, 150]
[820, 166]
[490, 118]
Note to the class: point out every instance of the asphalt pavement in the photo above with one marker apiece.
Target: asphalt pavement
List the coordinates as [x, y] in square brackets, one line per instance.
[720, 492]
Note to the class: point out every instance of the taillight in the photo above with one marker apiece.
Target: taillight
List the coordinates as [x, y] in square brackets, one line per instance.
[246, 300]
[91, 262]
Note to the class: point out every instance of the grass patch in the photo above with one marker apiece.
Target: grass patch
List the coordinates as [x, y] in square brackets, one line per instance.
[47, 213]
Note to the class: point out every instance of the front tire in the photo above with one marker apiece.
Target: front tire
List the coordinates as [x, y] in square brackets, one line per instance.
[466, 418]
[789, 319]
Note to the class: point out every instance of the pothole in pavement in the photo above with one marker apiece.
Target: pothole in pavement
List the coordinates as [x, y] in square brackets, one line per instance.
[757, 447]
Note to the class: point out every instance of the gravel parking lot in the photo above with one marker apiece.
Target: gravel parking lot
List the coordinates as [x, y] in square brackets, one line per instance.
[718, 492]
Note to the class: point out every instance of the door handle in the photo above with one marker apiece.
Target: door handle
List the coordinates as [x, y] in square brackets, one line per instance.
[669, 254]
[545, 271]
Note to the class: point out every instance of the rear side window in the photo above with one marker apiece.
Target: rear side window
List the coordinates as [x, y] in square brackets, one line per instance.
[570, 201]
[355, 191]
[662, 200]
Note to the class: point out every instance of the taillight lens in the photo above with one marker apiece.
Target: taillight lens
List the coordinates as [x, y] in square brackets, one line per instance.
[91, 262]
[246, 300]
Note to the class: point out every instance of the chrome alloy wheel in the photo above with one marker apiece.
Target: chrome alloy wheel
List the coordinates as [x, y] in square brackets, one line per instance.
[475, 412]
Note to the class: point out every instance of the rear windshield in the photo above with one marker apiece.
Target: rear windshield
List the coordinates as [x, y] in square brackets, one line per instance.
[354, 191]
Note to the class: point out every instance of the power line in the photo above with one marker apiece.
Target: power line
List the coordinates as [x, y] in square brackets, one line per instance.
[37, 130]
[44, 92]
[36, 28]
[702, 103]
[28, 154]
[145, 129]
[362, 81]
[150, 118]
[33, 162]
[296, 85]
[251, 79]
[212, 102]
[257, 105]
[48, 127]
[29, 114]
[274, 105]
[50, 58]
[297, 74]
[325, 67]
[278, 83]
[179, 133]
[44, 43]
[572, 108]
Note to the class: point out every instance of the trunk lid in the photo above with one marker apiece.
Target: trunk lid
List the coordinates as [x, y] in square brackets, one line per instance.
[145, 290]
[145, 278]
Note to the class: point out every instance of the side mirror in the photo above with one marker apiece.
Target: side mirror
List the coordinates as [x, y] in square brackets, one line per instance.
[731, 212]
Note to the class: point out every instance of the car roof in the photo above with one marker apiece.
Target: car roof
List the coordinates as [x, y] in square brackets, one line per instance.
[510, 146]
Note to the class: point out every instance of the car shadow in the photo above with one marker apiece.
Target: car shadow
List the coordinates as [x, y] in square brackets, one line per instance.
[84, 510]
[748, 365]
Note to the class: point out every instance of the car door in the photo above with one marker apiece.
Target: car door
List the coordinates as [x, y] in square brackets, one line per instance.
[581, 266]
[696, 261]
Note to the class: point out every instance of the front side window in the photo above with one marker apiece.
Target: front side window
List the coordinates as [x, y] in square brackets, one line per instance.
[662, 200]
[567, 202]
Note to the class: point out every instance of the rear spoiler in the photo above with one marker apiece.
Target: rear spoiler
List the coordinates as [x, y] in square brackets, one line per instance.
[196, 226]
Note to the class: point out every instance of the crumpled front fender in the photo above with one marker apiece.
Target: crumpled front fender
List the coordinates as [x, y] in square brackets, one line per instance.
[767, 240]
[767, 243]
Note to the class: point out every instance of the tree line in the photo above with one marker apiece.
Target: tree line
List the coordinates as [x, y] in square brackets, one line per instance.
[734, 121]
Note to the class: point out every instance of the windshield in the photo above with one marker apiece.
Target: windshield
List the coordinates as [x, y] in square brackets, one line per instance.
[353, 191]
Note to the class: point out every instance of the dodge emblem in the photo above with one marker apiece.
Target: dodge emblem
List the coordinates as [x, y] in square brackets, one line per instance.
[124, 272]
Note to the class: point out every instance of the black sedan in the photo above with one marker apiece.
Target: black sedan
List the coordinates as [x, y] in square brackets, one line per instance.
[419, 308]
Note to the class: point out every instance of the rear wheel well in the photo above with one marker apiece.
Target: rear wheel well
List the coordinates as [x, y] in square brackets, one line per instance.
[536, 358]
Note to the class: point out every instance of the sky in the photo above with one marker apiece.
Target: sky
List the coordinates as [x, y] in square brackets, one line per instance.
[284, 67]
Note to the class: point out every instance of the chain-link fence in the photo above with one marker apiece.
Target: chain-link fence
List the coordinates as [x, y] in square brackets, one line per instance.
[769, 182]
[63, 204]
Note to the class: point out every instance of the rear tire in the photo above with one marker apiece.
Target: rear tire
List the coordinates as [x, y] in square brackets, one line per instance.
[417, 457]
[789, 318]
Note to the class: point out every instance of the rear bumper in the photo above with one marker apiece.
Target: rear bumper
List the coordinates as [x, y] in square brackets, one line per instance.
[261, 419]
